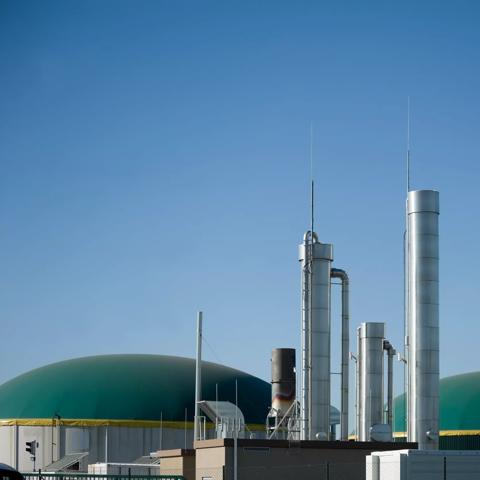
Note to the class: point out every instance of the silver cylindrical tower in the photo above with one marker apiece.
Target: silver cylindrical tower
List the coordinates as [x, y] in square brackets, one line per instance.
[283, 380]
[316, 259]
[370, 367]
[423, 317]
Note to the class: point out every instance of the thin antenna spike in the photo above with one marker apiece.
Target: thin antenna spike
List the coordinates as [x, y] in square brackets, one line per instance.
[312, 211]
[408, 144]
[312, 207]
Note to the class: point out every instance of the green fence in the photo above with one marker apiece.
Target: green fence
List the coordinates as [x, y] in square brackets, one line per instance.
[88, 476]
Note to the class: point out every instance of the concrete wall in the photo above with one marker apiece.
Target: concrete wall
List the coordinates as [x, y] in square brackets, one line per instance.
[178, 462]
[112, 443]
[12, 446]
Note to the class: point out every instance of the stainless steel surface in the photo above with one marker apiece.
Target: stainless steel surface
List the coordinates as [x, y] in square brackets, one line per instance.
[387, 346]
[370, 358]
[342, 275]
[283, 380]
[380, 432]
[357, 387]
[423, 317]
[305, 259]
[316, 259]
[198, 375]
[405, 314]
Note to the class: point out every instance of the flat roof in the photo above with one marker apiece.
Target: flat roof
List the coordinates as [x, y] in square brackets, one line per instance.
[318, 444]
[176, 452]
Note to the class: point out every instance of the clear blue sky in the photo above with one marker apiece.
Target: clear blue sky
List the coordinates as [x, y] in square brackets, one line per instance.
[154, 161]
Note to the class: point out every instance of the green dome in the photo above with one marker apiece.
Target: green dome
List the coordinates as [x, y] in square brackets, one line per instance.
[128, 387]
[459, 404]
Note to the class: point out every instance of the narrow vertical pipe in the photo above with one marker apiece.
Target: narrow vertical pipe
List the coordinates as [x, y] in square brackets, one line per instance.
[216, 410]
[53, 419]
[390, 390]
[342, 275]
[198, 376]
[17, 443]
[235, 435]
[387, 346]
[161, 430]
[106, 445]
[423, 318]
[185, 429]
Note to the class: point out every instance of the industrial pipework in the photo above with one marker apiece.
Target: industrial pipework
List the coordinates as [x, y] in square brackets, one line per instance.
[391, 352]
[422, 328]
[342, 275]
[316, 259]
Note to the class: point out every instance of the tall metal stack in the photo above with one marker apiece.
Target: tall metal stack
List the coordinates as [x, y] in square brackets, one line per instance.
[316, 260]
[370, 369]
[282, 420]
[283, 379]
[422, 317]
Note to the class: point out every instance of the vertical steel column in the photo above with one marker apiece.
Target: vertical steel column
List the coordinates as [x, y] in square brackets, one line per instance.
[316, 262]
[370, 359]
[423, 318]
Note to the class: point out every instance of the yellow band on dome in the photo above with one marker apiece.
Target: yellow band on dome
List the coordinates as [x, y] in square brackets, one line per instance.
[73, 422]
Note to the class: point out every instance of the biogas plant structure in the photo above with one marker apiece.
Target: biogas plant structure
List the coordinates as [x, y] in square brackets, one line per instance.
[191, 419]
[311, 421]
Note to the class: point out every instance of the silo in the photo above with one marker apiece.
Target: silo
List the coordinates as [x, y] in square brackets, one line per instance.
[370, 383]
[316, 259]
[423, 317]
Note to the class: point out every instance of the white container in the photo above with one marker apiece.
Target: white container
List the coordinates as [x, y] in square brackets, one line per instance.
[124, 469]
[423, 465]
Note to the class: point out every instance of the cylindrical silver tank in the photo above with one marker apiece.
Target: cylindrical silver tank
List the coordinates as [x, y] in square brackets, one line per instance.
[370, 367]
[283, 380]
[316, 259]
[423, 317]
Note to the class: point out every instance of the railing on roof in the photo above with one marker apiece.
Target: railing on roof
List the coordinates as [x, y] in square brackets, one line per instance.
[91, 476]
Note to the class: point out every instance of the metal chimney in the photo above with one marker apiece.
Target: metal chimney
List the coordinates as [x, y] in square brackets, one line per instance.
[316, 259]
[283, 380]
[370, 384]
[422, 342]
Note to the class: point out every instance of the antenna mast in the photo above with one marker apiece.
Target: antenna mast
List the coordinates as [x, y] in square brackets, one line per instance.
[408, 144]
[311, 180]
